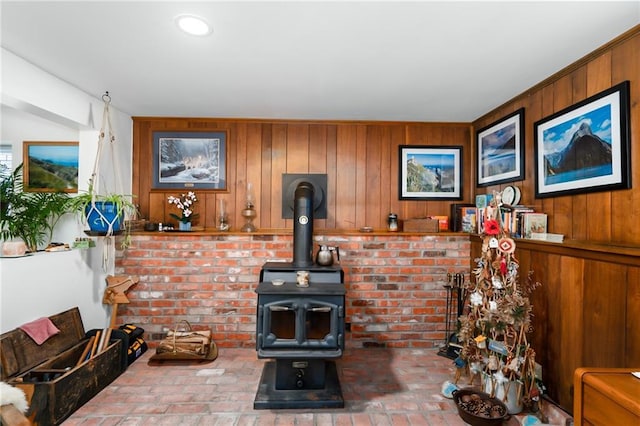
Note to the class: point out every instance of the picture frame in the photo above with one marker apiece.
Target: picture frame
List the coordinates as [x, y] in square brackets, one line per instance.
[500, 150]
[430, 172]
[191, 160]
[585, 147]
[50, 166]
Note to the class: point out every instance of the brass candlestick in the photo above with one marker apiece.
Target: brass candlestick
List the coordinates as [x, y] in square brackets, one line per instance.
[249, 214]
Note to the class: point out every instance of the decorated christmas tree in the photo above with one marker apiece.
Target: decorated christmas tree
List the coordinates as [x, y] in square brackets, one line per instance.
[493, 333]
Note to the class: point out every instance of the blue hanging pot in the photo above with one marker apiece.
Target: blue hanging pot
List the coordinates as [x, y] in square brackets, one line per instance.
[101, 214]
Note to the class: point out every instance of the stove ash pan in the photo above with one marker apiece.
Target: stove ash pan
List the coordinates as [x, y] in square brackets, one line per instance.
[300, 322]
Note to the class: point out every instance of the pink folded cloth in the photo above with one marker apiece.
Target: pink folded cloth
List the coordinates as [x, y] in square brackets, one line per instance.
[40, 330]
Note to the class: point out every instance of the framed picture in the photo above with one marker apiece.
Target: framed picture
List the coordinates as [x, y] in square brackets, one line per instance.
[194, 160]
[500, 148]
[50, 166]
[430, 172]
[585, 148]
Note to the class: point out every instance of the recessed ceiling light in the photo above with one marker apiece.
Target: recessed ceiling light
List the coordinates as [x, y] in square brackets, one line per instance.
[193, 25]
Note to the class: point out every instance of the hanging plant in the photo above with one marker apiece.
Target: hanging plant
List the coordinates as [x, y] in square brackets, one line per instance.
[105, 212]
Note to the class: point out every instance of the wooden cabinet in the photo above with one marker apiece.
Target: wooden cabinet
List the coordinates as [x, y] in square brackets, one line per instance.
[606, 396]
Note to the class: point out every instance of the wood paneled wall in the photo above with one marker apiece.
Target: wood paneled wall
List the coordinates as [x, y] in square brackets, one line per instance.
[360, 160]
[603, 216]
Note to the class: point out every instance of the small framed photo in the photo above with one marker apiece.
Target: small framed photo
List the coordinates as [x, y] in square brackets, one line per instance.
[500, 148]
[50, 166]
[585, 147]
[194, 160]
[430, 172]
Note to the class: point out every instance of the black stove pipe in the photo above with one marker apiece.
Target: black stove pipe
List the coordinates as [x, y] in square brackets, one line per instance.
[303, 225]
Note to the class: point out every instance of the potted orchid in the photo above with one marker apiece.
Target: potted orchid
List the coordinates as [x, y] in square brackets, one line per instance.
[184, 203]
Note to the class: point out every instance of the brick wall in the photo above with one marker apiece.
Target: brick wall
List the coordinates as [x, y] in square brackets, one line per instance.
[395, 294]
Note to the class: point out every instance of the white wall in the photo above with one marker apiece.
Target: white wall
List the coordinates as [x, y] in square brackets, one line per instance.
[37, 106]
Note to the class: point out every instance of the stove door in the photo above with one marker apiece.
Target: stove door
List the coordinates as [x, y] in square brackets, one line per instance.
[301, 323]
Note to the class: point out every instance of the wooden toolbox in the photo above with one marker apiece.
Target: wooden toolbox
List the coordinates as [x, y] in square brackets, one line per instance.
[55, 381]
[421, 225]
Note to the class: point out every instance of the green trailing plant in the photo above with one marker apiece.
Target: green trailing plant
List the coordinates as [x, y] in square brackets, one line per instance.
[30, 216]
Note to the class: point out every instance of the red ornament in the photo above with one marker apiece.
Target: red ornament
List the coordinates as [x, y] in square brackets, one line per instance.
[491, 227]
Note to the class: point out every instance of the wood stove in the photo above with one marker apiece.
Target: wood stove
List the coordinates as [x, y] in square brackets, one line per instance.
[300, 326]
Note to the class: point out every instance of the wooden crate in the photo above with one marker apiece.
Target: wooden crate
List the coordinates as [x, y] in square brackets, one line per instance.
[48, 374]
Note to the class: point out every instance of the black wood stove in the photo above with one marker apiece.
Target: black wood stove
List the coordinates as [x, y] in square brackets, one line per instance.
[300, 323]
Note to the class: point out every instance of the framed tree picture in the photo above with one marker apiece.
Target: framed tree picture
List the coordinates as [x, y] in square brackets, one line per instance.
[430, 172]
[585, 147]
[195, 160]
[500, 148]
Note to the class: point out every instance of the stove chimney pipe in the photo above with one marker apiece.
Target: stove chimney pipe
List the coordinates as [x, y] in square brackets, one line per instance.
[303, 225]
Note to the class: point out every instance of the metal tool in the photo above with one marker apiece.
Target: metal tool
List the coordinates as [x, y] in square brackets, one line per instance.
[455, 283]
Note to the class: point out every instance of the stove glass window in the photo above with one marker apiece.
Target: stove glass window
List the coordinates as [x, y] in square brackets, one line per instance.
[283, 322]
[318, 322]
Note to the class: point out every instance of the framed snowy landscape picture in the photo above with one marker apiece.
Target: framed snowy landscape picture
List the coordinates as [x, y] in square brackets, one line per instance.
[194, 160]
[585, 148]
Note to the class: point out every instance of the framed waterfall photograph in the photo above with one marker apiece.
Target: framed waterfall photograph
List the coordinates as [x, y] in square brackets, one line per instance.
[192, 160]
[585, 147]
[430, 172]
[500, 148]
[50, 166]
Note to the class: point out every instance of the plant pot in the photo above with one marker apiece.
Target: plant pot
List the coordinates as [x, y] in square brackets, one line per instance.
[103, 214]
[509, 393]
[184, 226]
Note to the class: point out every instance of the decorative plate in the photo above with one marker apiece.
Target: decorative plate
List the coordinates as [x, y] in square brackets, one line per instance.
[509, 195]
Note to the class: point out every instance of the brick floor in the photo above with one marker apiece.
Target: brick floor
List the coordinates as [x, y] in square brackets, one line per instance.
[380, 387]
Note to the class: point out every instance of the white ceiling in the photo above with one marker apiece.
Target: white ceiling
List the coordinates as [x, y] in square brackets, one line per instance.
[410, 61]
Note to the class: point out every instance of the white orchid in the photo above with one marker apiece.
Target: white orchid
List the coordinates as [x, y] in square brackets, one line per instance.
[184, 203]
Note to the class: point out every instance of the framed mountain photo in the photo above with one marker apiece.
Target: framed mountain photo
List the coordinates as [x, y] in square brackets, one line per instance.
[585, 148]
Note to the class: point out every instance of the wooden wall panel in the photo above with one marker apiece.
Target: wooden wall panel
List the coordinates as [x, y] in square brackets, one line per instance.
[625, 64]
[632, 312]
[570, 345]
[345, 209]
[360, 160]
[605, 293]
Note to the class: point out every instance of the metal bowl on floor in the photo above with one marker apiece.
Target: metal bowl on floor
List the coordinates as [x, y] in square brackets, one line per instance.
[479, 409]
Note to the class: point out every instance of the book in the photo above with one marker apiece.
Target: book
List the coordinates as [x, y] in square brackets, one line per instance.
[516, 219]
[443, 222]
[483, 200]
[468, 219]
[456, 216]
[533, 222]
